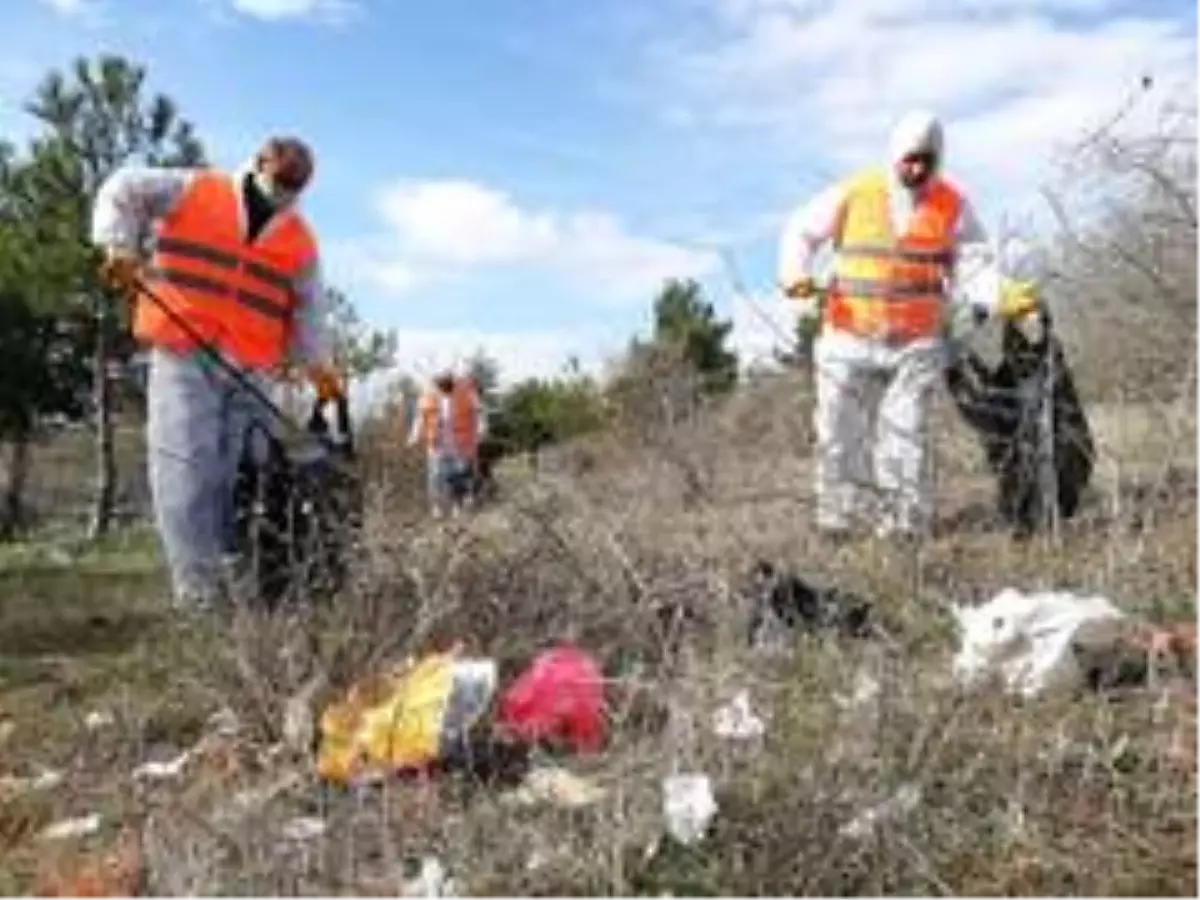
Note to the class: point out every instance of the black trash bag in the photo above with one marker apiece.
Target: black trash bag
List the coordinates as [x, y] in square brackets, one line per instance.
[299, 512]
[784, 603]
[1038, 473]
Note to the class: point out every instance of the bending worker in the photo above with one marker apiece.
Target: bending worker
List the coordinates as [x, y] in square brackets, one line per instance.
[450, 423]
[237, 264]
[897, 232]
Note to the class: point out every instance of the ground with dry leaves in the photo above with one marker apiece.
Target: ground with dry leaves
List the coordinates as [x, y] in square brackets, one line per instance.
[640, 559]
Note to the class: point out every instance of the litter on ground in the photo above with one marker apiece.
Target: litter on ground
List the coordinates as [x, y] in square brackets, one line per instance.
[557, 786]
[1026, 638]
[736, 720]
[407, 719]
[72, 828]
[688, 807]
[905, 800]
[558, 699]
[14, 786]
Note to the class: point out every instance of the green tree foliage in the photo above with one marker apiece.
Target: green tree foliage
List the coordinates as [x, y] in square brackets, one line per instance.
[662, 381]
[684, 322]
[359, 349]
[98, 116]
[536, 412]
[799, 354]
[43, 366]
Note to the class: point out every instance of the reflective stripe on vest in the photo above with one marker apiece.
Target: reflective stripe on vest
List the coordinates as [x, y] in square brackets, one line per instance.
[887, 286]
[236, 295]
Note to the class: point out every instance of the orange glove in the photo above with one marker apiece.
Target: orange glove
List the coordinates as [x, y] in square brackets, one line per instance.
[802, 289]
[121, 270]
[326, 381]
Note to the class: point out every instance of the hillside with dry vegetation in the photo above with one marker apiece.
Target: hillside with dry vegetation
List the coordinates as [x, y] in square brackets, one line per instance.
[638, 542]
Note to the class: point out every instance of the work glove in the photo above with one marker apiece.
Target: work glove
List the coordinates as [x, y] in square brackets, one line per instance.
[121, 270]
[326, 382]
[1017, 299]
[804, 288]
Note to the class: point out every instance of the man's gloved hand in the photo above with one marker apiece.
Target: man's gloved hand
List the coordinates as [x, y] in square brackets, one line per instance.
[121, 269]
[1018, 299]
[804, 288]
[325, 380]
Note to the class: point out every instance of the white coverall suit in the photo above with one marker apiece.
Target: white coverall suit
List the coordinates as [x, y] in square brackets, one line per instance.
[873, 395]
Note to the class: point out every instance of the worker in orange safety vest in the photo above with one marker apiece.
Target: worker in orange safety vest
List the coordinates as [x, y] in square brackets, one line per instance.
[449, 424]
[235, 260]
[898, 232]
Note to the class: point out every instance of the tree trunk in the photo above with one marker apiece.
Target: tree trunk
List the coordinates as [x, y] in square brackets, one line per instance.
[12, 520]
[106, 469]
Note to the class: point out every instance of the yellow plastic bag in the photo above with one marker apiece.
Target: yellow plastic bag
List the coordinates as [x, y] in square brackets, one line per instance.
[403, 719]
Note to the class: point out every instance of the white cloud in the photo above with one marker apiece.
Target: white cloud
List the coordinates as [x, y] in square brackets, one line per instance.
[1014, 79]
[279, 10]
[66, 7]
[463, 223]
[445, 228]
[90, 13]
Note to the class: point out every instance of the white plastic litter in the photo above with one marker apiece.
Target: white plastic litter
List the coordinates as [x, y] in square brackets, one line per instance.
[303, 828]
[431, 881]
[45, 780]
[1025, 638]
[98, 719]
[903, 801]
[736, 720]
[72, 828]
[688, 806]
[156, 770]
[866, 689]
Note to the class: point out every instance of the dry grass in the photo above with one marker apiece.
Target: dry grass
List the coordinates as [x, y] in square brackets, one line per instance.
[1068, 794]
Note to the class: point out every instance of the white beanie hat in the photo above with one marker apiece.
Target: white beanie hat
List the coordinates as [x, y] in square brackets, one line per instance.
[917, 131]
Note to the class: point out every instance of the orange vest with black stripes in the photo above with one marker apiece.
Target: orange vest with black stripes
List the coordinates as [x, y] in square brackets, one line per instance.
[236, 295]
[892, 286]
[464, 418]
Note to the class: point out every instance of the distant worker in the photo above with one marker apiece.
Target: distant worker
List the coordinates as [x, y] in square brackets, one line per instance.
[234, 260]
[449, 424]
[897, 232]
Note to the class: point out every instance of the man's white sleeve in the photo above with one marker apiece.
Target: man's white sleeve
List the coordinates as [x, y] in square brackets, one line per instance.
[131, 199]
[978, 274]
[806, 230]
[311, 340]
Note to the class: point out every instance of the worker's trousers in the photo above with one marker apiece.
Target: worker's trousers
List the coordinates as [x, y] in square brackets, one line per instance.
[448, 475]
[198, 421]
[871, 426]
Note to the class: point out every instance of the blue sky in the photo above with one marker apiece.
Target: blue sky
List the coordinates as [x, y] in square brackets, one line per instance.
[520, 175]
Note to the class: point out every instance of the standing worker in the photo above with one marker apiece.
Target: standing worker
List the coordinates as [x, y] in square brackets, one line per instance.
[897, 233]
[449, 422]
[237, 266]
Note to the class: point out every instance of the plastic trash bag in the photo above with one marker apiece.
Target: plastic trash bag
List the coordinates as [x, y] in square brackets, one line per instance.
[559, 699]
[406, 720]
[1027, 639]
[1030, 421]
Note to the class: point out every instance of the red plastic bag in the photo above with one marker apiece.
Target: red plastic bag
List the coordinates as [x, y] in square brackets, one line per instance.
[559, 699]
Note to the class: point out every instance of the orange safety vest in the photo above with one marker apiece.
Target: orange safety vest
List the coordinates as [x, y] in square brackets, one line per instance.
[464, 419]
[236, 295]
[889, 286]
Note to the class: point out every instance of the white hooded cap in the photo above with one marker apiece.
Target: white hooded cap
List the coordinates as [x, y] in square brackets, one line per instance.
[917, 131]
